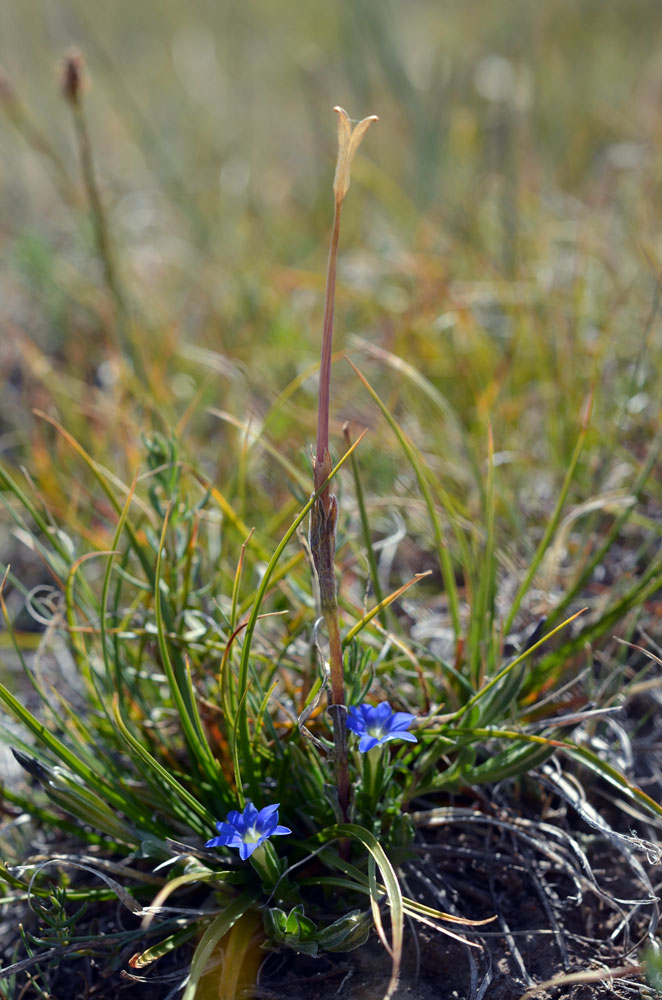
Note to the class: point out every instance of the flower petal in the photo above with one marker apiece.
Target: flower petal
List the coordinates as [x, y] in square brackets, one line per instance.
[355, 724]
[248, 829]
[348, 143]
[382, 712]
[402, 735]
[250, 814]
[234, 819]
[216, 842]
[228, 830]
[228, 837]
[245, 850]
[266, 818]
[401, 720]
[367, 743]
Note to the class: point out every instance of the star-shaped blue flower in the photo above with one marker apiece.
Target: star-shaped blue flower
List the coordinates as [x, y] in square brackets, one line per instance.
[377, 724]
[249, 829]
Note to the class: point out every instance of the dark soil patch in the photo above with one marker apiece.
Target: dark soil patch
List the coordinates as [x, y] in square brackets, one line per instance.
[547, 925]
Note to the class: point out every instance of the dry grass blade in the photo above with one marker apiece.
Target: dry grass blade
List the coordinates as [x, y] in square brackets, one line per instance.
[557, 846]
[605, 976]
[422, 477]
[367, 618]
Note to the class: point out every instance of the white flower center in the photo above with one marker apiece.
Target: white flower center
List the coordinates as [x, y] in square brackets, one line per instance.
[376, 731]
[252, 835]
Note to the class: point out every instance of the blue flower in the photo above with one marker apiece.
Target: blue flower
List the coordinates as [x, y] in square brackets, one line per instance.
[249, 829]
[377, 724]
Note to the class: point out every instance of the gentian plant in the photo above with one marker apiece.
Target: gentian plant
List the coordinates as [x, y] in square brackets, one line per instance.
[377, 806]
[198, 692]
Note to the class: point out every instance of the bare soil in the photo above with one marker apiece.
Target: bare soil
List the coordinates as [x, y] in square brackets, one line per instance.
[543, 929]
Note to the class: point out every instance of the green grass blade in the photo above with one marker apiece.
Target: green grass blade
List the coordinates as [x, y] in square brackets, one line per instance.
[242, 682]
[216, 930]
[384, 603]
[59, 749]
[416, 463]
[482, 612]
[485, 690]
[551, 526]
[614, 777]
[367, 535]
[614, 532]
[113, 669]
[12, 486]
[164, 947]
[392, 888]
[194, 806]
[643, 589]
[181, 687]
[100, 476]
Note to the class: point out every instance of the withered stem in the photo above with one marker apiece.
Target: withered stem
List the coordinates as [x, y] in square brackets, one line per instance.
[324, 513]
[72, 91]
[323, 519]
[322, 456]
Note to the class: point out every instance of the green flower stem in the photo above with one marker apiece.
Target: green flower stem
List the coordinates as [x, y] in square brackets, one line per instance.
[267, 865]
[373, 777]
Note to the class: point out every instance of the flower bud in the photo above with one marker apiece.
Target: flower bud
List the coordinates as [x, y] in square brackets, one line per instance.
[348, 142]
[72, 78]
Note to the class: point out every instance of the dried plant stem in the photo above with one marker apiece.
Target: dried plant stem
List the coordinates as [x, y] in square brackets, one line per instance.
[322, 456]
[323, 518]
[324, 513]
[72, 86]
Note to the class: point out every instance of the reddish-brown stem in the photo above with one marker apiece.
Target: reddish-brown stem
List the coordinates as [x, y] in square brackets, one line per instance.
[324, 513]
[335, 655]
[323, 548]
[322, 459]
[323, 530]
[338, 709]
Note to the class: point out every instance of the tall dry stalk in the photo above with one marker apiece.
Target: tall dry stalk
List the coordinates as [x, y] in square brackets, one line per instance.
[324, 514]
[73, 83]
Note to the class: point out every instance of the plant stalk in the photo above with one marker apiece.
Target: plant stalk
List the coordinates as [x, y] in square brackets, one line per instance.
[324, 513]
[72, 88]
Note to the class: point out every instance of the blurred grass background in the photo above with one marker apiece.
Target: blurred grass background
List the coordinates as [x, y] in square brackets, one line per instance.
[502, 236]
